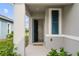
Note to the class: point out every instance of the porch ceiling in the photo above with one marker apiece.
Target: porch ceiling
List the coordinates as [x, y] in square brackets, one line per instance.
[41, 7]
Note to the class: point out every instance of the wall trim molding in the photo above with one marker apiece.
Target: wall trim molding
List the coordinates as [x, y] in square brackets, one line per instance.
[64, 36]
[72, 37]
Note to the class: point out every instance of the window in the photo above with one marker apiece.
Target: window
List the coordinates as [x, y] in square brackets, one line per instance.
[8, 28]
[55, 22]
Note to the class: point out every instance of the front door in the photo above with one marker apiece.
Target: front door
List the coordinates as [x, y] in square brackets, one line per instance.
[35, 30]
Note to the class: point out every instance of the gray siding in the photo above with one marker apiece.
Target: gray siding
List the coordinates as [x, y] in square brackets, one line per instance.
[4, 28]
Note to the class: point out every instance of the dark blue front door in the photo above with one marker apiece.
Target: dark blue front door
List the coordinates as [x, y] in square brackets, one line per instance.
[35, 30]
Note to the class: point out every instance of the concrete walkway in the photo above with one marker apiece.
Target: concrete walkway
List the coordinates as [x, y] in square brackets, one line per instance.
[32, 50]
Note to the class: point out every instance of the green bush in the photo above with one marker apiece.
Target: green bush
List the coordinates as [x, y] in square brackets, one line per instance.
[26, 41]
[62, 52]
[77, 53]
[10, 36]
[53, 52]
[26, 37]
[7, 46]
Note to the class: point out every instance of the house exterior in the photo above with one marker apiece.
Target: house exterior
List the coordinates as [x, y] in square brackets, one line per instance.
[54, 24]
[6, 26]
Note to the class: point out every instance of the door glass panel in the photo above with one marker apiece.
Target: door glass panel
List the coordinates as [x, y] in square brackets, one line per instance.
[55, 22]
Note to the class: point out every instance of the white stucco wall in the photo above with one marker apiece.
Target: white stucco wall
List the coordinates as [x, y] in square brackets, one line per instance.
[19, 29]
[71, 20]
[71, 46]
[38, 15]
[71, 27]
[56, 43]
[41, 30]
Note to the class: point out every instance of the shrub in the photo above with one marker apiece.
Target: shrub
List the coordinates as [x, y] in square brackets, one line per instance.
[10, 36]
[62, 52]
[53, 52]
[7, 46]
[26, 41]
[26, 37]
[77, 53]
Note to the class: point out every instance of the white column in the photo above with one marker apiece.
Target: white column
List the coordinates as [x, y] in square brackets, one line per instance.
[19, 14]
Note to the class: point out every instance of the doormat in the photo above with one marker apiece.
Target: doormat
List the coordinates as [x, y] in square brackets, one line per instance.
[38, 44]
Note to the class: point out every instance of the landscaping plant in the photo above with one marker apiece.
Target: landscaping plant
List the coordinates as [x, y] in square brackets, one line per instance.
[53, 52]
[7, 46]
[26, 37]
[77, 53]
[62, 52]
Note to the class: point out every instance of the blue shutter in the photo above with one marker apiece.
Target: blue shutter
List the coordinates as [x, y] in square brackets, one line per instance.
[55, 21]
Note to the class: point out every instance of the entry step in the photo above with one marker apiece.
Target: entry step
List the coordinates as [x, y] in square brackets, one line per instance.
[38, 44]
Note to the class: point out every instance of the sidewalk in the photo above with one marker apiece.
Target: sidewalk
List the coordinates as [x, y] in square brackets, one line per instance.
[32, 50]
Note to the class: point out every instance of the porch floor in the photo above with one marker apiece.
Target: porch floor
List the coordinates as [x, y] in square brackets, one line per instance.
[35, 50]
